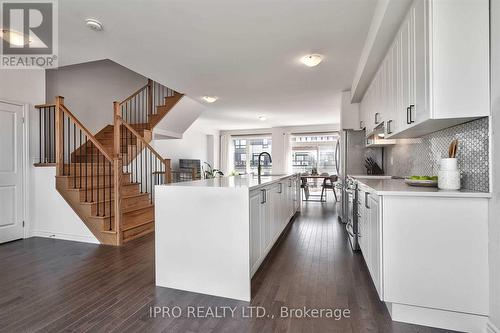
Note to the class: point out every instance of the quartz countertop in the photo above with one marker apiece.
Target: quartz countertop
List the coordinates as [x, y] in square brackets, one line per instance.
[245, 181]
[398, 187]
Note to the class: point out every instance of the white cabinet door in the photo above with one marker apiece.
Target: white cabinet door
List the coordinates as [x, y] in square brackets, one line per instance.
[375, 242]
[420, 110]
[404, 105]
[256, 214]
[362, 223]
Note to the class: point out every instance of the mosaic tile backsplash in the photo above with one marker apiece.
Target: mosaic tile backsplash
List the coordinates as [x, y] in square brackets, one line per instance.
[422, 156]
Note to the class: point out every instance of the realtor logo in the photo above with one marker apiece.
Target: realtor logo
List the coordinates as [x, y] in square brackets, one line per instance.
[29, 34]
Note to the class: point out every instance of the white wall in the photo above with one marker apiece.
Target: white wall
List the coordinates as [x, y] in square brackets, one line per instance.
[198, 142]
[48, 215]
[51, 214]
[90, 89]
[494, 221]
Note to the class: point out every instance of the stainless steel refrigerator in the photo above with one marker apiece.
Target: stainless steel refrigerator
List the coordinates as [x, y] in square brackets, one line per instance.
[349, 159]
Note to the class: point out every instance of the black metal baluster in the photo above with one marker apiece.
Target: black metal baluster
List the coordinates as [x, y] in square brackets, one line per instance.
[92, 174]
[47, 134]
[151, 173]
[140, 174]
[53, 135]
[98, 169]
[80, 166]
[74, 154]
[146, 167]
[110, 192]
[40, 136]
[86, 170]
[69, 143]
[135, 154]
[63, 157]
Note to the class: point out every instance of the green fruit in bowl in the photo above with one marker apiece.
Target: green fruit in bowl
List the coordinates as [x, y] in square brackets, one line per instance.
[434, 178]
[426, 178]
[415, 177]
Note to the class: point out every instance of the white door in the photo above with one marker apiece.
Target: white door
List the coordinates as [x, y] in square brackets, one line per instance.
[11, 172]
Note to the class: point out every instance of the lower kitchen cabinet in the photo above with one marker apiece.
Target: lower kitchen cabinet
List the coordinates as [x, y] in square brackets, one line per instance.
[271, 208]
[369, 224]
[427, 255]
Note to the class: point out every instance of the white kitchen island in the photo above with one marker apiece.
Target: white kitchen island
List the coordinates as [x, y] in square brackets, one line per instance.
[212, 235]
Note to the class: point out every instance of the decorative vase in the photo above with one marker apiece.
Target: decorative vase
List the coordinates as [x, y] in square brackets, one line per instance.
[449, 175]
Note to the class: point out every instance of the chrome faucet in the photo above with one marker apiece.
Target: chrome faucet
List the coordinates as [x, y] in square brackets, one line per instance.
[259, 169]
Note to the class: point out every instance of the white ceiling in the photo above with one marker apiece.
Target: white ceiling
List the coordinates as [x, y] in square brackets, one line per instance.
[243, 51]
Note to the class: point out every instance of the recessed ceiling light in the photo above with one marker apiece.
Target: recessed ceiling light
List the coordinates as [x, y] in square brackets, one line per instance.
[210, 99]
[311, 60]
[93, 24]
[262, 118]
[13, 37]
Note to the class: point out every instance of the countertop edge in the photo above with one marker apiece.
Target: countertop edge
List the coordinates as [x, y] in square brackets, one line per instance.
[442, 193]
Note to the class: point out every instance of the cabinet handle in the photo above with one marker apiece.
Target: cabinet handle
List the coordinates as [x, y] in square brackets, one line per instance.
[366, 200]
[389, 130]
[280, 190]
[376, 118]
[408, 116]
[412, 108]
[289, 183]
[264, 196]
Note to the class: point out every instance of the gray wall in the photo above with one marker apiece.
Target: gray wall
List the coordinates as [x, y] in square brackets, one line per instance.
[91, 88]
[494, 224]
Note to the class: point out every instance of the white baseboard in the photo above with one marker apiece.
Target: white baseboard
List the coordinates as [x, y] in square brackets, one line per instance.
[70, 237]
[491, 328]
[450, 320]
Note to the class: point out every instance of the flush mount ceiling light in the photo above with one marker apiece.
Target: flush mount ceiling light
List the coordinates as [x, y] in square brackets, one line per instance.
[210, 99]
[311, 60]
[93, 24]
[13, 37]
[262, 118]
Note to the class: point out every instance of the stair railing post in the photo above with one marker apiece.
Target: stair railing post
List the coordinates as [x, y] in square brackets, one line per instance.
[150, 96]
[59, 140]
[168, 171]
[117, 172]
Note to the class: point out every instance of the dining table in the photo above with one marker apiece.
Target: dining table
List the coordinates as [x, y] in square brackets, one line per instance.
[304, 179]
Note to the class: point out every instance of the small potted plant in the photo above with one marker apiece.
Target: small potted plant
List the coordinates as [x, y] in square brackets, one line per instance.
[209, 172]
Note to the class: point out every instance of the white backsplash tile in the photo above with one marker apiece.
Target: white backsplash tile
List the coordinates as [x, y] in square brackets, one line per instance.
[422, 156]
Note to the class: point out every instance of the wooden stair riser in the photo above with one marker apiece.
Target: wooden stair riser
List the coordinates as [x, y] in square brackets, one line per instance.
[131, 220]
[127, 204]
[83, 182]
[89, 170]
[137, 217]
[130, 189]
[139, 231]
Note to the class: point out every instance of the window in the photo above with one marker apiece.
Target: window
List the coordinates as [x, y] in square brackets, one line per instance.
[251, 147]
[314, 153]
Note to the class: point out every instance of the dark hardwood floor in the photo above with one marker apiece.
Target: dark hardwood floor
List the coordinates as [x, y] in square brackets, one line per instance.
[51, 285]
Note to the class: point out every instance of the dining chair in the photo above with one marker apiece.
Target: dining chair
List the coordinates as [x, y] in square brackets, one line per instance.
[305, 187]
[329, 183]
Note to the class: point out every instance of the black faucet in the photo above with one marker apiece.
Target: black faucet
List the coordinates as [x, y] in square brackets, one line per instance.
[259, 169]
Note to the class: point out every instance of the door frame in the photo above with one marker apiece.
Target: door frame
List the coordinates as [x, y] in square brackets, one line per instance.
[25, 159]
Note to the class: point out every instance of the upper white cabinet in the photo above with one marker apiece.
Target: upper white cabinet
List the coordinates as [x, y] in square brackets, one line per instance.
[435, 73]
